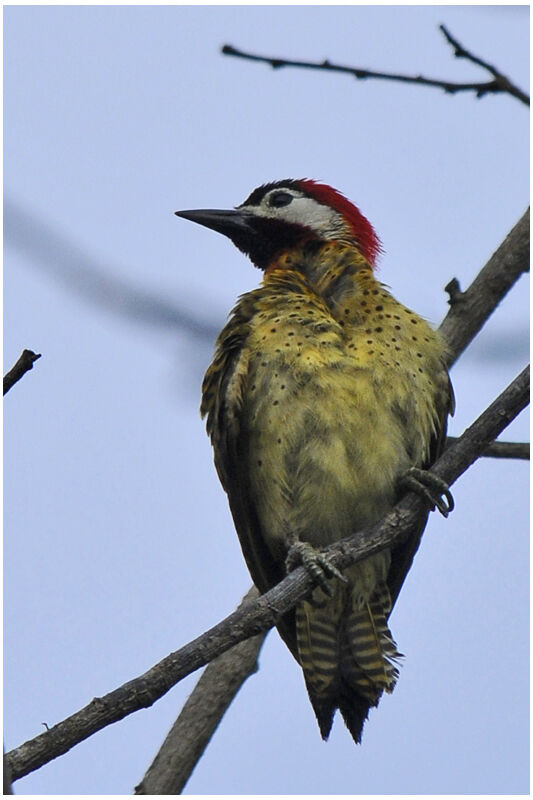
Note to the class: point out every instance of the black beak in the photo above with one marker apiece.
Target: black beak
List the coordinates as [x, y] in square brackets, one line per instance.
[259, 237]
[234, 224]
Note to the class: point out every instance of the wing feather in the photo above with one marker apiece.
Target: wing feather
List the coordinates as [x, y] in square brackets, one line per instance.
[403, 555]
[223, 396]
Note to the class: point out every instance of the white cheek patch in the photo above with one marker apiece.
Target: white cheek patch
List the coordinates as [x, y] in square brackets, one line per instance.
[303, 211]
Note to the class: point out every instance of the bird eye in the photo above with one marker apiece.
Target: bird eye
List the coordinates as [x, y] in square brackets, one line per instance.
[279, 199]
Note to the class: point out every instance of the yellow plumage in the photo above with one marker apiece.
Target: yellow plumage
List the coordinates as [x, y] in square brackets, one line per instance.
[335, 390]
[323, 393]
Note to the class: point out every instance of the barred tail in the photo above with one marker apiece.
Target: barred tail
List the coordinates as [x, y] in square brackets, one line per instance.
[317, 623]
[370, 653]
[369, 659]
[347, 653]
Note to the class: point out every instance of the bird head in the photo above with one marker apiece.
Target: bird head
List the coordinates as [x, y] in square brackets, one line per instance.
[285, 214]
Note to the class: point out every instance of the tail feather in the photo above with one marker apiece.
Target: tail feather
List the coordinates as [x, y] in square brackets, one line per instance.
[347, 654]
[354, 709]
[324, 708]
[374, 655]
[318, 651]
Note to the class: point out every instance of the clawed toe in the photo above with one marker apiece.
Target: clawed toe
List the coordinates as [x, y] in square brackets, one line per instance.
[316, 563]
[431, 487]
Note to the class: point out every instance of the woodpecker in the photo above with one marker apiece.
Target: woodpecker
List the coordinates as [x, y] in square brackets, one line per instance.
[325, 400]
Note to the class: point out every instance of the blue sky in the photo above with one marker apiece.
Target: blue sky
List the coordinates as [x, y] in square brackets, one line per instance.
[119, 546]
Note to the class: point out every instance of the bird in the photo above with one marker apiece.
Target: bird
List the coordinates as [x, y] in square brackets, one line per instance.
[325, 401]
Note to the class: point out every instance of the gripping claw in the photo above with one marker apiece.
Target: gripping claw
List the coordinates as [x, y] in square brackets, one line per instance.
[316, 563]
[431, 487]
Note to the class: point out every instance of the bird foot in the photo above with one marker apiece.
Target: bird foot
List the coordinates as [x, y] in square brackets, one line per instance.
[431, 487]
[318, 566]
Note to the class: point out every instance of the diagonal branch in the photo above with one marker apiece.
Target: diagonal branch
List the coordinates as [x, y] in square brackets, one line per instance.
[471, 309]
[261, 614]
[498, 85]
[201, 715]
[216, 689]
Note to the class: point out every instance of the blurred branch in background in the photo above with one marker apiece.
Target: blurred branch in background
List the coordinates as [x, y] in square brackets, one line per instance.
[259, 615]
[68, 262]
[498, 85]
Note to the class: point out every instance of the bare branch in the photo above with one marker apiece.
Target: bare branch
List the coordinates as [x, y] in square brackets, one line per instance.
[500, 80]
[498, 85]
[261, 614]
[22, 366]
[201, 715]
[470, 309]
[515, 450]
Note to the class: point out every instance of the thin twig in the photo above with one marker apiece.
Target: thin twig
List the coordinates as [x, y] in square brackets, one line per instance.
[201, 715]
[500, 80]
[22, 366]
[261, 614]
[498, 85]
[512, 450]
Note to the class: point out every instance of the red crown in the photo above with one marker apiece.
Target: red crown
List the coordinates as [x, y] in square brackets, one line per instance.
[365, 234]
